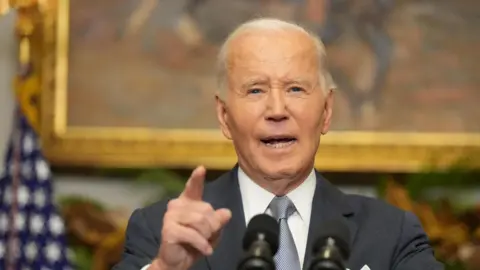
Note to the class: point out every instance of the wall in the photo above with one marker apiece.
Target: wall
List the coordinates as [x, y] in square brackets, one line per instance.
[7, 68]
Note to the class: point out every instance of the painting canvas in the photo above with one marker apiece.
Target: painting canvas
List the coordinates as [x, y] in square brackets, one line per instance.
[132, 82]
[400, 66]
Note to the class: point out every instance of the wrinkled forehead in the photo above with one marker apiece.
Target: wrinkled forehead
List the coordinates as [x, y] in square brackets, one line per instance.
[276, 54]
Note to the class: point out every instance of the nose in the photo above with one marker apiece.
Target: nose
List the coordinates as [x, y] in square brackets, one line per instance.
[276, 107]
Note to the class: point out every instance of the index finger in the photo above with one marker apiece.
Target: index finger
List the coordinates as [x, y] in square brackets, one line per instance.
[194, 187]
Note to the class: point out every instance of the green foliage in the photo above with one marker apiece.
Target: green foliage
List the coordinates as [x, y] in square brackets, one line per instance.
[455, 266]
[76, 199]
[457, 176]
[168, 183]
[83, 258]
[171, 183]
[382, 186]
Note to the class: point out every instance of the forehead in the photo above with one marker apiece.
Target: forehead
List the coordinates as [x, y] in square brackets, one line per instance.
[282, 54]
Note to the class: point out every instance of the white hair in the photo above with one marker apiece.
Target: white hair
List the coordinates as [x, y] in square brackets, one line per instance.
[272, 25]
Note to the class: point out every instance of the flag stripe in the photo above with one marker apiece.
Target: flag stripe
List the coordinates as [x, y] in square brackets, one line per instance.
[11, 240]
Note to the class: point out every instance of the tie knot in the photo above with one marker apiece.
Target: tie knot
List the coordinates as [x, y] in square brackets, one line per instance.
[282, 207]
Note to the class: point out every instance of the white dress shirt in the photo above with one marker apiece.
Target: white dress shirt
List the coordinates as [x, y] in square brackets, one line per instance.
[255, 201]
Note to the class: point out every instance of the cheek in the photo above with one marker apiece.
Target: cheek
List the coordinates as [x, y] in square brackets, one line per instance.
[243, 120]
[310, 119]
[312, 125]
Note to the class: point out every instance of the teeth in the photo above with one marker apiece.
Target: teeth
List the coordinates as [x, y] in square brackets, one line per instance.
[280, 144]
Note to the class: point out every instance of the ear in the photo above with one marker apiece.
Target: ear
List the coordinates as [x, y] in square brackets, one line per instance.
[222, 116]
[327, 113]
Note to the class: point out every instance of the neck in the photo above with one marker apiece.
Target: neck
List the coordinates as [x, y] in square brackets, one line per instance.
[278, 185]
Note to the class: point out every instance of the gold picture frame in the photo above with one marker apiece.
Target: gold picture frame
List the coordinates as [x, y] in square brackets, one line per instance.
[144, 147]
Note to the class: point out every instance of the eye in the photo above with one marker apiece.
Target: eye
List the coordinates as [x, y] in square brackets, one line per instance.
[296, 89]
[254, 91]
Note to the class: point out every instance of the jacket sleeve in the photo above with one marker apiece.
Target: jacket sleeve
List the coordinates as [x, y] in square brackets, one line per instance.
[413, 250]
[141, 245]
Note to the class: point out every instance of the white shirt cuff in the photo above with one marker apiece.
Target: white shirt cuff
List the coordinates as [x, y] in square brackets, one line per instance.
[145, 267]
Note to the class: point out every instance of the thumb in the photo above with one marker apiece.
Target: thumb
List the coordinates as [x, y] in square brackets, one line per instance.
[224, 215]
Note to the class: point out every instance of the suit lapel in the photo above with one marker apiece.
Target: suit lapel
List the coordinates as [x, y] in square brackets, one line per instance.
[225, 193]
[328, 203]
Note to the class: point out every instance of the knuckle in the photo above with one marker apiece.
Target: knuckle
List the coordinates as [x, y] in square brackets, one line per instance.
[173, 204]
[216, 225]
[168, 216]
[168, 233]
[206, 208]
[201, 224]
[198, 218]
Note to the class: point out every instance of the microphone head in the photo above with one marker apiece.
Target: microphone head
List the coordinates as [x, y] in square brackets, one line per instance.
[337, 231]
[262, 227]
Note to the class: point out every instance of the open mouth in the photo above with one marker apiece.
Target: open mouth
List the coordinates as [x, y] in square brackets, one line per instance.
[279, 141]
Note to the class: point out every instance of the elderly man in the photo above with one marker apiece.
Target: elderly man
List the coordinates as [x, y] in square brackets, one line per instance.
[274, 102]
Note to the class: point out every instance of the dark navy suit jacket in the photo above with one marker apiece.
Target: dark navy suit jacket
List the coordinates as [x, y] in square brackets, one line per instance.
[382, 237]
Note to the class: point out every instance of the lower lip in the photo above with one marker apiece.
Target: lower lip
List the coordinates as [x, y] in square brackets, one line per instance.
[280, 146]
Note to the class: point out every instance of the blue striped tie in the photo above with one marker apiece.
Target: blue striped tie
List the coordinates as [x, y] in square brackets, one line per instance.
[287, 256]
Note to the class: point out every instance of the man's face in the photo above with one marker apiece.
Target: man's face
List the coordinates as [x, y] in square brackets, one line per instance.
[275, 110]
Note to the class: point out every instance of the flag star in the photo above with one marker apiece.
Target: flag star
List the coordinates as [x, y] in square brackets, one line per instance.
[42, 169]
[28, 143]
[56, 225]
[52, 252]
[23, 196]
[20, 221]
[31, 251]
[39, 198]
[36, 224]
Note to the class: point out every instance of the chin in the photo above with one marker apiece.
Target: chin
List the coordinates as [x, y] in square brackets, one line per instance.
[280, 170]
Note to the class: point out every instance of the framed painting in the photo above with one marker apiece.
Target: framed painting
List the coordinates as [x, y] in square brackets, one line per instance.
[131, 82]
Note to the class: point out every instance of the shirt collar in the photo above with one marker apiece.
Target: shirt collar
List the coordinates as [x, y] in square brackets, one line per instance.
[256, 199]
[302, 197]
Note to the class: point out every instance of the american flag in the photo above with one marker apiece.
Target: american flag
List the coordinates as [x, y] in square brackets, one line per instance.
[32, 233]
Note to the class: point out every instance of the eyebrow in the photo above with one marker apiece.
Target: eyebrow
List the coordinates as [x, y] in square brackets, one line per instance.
[253, 82]
[262, 81]
[299, 82]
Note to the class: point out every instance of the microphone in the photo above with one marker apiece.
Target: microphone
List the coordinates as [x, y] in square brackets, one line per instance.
[260, 243]
[331, 249]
